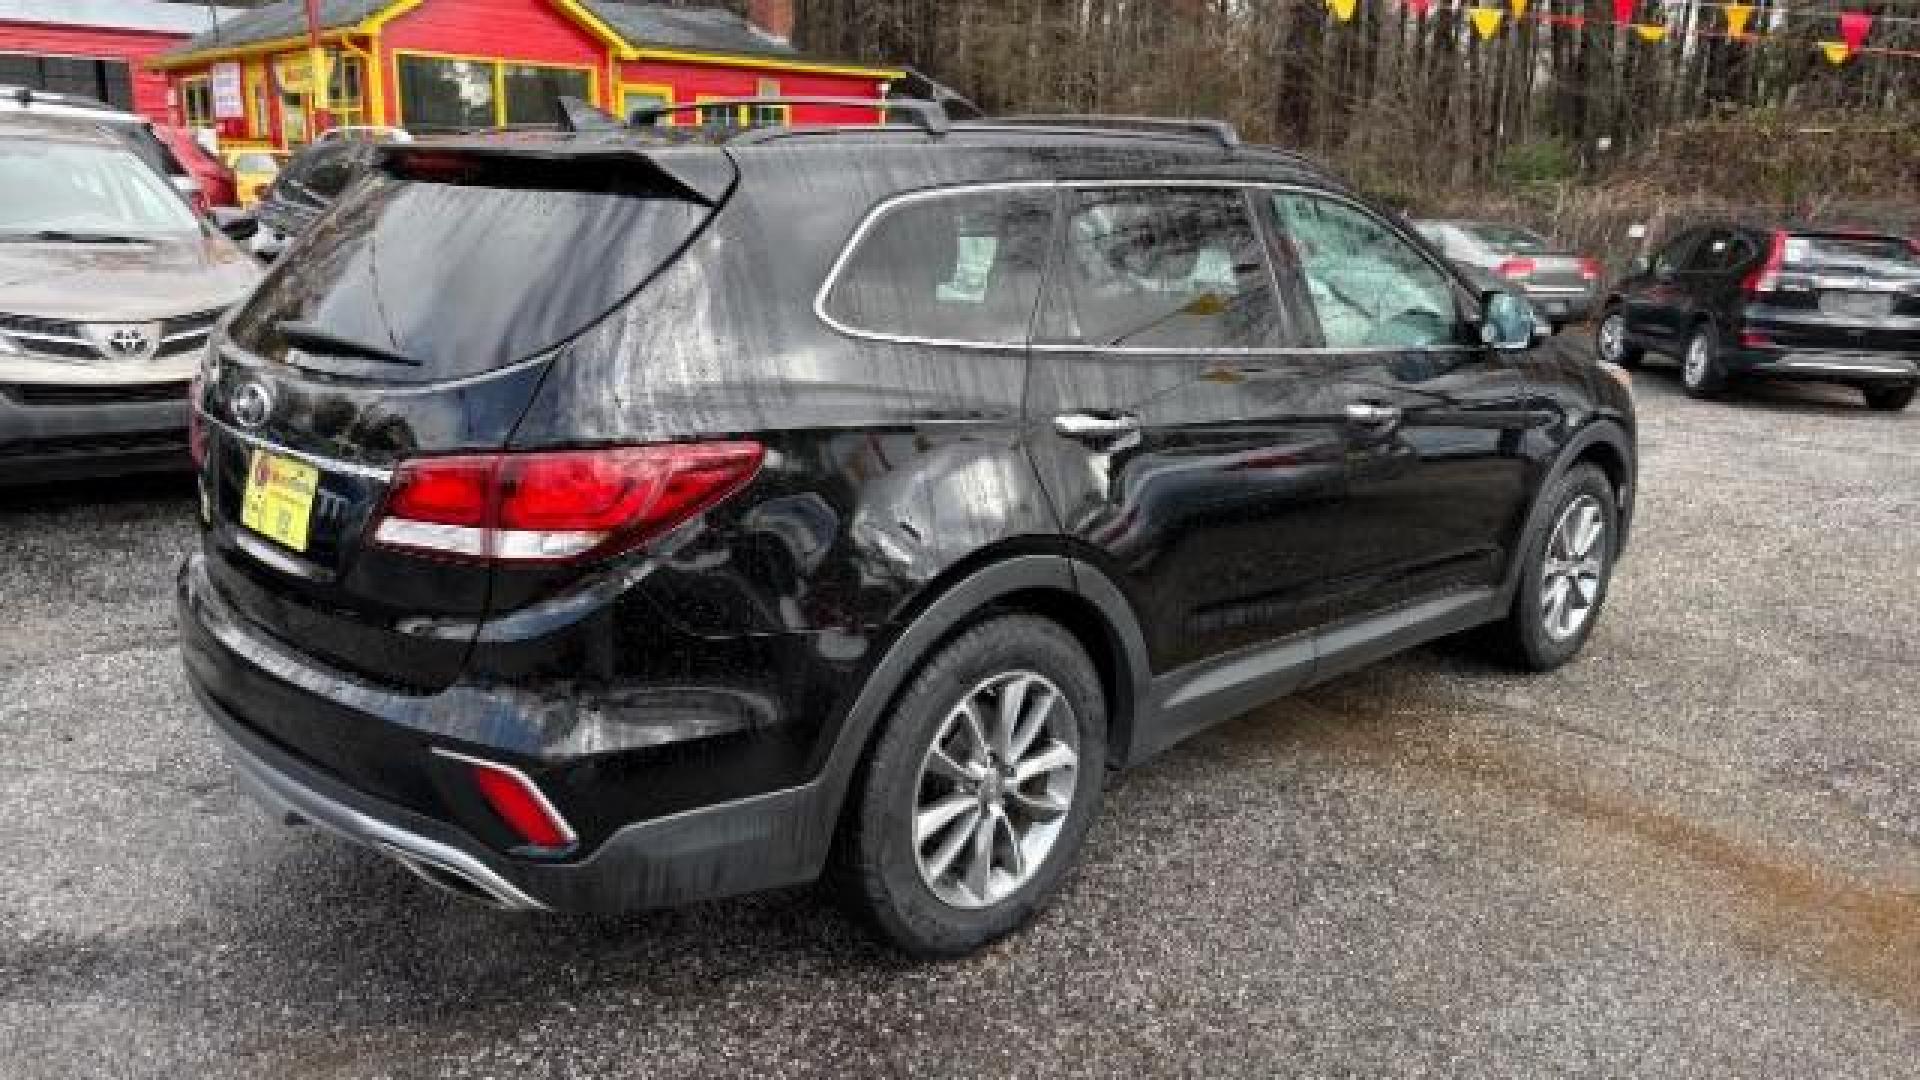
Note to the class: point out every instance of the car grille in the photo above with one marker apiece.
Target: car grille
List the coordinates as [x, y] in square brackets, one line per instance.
[59, 394]
[65, 337]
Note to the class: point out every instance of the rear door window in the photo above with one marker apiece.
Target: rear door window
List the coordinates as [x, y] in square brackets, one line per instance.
[1369, 287]
[1173, 268]
[1714, 253]
[1879, 254]
[957, 267]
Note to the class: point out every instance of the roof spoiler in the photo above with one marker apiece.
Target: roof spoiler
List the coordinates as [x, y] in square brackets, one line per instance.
[577, 115]
[706, 179]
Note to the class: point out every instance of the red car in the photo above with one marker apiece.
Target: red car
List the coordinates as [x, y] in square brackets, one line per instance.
[216, 180]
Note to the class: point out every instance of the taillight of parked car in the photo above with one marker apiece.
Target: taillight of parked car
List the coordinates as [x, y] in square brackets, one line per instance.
[557, 506]
[1589, 269]
[1515, 269]
[518, 801]
[1766, 277]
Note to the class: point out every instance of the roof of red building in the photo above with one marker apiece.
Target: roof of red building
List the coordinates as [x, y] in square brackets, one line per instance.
[152, 16]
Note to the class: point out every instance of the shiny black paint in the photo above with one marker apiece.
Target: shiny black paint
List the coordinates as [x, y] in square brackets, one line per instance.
[696, 709]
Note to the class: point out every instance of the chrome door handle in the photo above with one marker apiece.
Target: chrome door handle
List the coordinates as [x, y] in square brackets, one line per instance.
[1368, 414]
[1079, 425]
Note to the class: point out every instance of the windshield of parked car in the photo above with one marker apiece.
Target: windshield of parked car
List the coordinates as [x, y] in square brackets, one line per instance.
[83, 188]
[1508, 238]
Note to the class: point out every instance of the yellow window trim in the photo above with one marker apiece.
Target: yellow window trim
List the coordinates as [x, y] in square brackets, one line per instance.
[663, 91]
[742, 114]
[499, 64]
[763, 63]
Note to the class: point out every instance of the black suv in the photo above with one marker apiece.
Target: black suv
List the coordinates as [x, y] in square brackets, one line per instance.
[618, 520]
[1788, 303]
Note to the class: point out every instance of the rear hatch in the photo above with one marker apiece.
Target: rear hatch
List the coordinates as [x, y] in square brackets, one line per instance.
[417, 320]
[1845, 292]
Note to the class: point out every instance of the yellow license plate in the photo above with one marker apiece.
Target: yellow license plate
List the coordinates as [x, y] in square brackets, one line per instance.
[279, 498]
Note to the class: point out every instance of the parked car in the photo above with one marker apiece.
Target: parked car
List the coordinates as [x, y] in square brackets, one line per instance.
[140, 134]
[254, 171]
[212, 174]
[732, 517]
[1734, 301]
[1564, 285]
[305, 188]
[109, 286]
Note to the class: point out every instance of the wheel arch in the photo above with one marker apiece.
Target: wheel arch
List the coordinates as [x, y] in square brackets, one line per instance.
[1605, 444]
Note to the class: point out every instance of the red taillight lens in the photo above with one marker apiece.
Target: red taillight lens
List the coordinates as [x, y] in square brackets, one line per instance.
[561, 505]
[196, 427]
[521, 805]
[1754, 339]
[1589, 269]
[1515, 268]
[1766, 277]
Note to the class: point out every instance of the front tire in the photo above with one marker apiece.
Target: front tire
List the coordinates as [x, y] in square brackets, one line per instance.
[1700, 372]
[1887, 398]
[1610, 338]
[978, 795]
[1567, 568]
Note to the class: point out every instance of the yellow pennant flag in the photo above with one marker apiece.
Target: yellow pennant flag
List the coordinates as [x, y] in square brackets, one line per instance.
[1649, 32]
[1737, 16]
[1836, 51]
[1519, 9]
[1486, 20]
[1342, 9]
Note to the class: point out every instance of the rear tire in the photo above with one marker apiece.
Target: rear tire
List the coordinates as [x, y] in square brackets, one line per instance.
[1610, 338]
[1700, 372]
[956, 761]
[1566, 569]
[1887, 399]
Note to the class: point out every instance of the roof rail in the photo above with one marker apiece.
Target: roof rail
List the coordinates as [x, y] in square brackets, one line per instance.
[1218, 130]
[928, 116]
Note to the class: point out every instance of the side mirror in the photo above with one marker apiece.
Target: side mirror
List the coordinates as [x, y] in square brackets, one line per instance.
[1507, 322]
[239, 225]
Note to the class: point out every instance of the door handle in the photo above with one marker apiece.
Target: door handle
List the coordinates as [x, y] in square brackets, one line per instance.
[1368, 414]
[1082, 425]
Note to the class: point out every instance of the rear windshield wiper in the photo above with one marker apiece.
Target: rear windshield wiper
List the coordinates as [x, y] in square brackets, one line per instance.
[316, 339]
[66, 236]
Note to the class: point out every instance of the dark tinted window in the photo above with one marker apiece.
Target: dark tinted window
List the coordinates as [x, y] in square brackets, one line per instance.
[436, 92]
[1509, 238]
[533, 93]
[110, 81]
[1161, 268]
[324, 170]
[1672, 256]
[467, 278]
[963, 266]
[1715, 252]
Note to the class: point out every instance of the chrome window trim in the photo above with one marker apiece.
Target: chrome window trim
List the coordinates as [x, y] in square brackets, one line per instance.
[873, 215]
[325, 464]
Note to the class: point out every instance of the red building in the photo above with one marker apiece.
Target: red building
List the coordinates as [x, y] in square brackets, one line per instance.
[432, 65]
[97, 48]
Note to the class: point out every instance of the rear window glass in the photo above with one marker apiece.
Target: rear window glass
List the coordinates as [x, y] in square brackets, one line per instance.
[1864, 251]
[1508, 238]
[463, 279]
[962, 267]
[327, 169]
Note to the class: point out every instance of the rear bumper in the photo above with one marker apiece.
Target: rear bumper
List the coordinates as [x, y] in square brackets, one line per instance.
[1564, 307]
[408, 804]
[1877, 369]
[64, 442]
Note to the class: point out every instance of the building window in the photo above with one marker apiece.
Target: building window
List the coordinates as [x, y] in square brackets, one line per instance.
[110, 81]
[439, 93]
[196, 102]
[533, 93]
[343, 85]
[720, 116]
[634, 100]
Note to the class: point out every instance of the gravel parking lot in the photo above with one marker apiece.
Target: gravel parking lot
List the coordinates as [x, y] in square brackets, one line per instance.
[1694, 852]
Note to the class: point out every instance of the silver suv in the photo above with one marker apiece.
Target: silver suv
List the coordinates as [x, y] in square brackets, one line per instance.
[109, 287]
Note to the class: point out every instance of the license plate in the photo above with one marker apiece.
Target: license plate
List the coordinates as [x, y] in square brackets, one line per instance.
[278, 501]
[1856, 304]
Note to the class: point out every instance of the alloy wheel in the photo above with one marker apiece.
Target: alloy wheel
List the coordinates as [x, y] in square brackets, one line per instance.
[1699, 356]
[1613, 338]
[995, 787]
[1575, 564]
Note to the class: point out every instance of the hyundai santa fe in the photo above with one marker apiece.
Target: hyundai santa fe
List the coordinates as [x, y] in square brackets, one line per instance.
[617, 520]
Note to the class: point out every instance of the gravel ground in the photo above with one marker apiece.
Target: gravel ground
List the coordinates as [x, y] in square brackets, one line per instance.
[1694, 852]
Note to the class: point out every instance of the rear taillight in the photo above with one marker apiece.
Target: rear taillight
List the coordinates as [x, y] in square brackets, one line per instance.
[1766, 277]
[1589, 269]
[1515, 268]
[196, 427]
[557, 506]
[518, 801]
[1753, 339]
